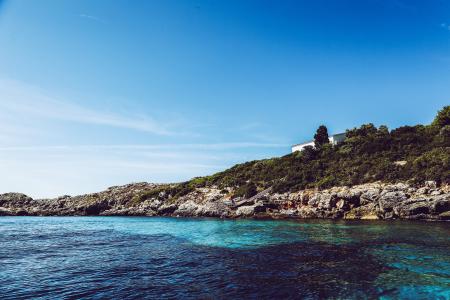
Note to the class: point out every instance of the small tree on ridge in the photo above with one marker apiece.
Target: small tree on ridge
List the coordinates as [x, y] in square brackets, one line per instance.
[321, 137]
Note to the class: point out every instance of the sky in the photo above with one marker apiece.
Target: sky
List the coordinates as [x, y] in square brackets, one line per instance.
[96, 93]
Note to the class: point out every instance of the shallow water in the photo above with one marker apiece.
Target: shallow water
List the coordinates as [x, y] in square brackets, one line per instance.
[136, 258]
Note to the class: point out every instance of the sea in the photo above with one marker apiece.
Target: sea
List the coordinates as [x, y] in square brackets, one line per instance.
[201, 258]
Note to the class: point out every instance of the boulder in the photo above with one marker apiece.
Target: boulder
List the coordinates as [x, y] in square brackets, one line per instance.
[441, 204]
[444, 216]
[288, 212]
[412, 208]
[388, 199]
[246, 211]
[188, 208]
[167, 209]
[350, 193]
[323, 201]
[213, 209]
[365, 212]
[14, 199]
[422, 191]
[430, 184]
[155, 204]
[369, 196]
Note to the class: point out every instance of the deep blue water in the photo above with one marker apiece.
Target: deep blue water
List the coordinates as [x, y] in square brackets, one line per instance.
[147, 258]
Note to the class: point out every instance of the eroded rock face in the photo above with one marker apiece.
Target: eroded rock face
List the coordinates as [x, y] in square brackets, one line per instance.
[13, 199]
[367, 201]
[250, 210]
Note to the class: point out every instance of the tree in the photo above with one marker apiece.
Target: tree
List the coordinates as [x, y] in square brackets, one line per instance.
[321, 137]
[383, 130]
[443, 117]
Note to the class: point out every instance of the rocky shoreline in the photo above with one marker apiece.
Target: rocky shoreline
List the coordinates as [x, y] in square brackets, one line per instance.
[370, 201]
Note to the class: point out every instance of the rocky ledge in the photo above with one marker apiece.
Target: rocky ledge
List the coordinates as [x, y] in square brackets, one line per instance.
[367, 201]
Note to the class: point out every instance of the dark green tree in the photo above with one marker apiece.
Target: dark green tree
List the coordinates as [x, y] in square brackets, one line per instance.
[383, 130]
[443, 117]
[321, 137]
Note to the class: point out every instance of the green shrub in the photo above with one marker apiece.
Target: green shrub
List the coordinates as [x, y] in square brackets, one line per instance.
[367, 154]
[247, 191]
[443, 117]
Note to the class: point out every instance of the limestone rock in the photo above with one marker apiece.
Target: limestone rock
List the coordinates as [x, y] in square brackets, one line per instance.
[188, 208]
[366, 201]
[247, 211]
[366, 212]
[444, 216]
[167, 209]
[369, 196]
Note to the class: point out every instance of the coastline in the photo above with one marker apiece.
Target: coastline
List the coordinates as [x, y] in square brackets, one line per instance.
[372, 201]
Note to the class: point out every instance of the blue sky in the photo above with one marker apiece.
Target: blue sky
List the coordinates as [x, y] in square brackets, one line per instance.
[95, 93]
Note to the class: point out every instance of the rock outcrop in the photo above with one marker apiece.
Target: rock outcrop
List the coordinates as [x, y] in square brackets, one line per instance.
[367, 201]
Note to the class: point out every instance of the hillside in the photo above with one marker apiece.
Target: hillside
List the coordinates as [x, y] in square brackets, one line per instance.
[374, 174]
[413, 154]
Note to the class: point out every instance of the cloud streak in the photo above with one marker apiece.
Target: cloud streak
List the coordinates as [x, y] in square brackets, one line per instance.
[46, 156]
[93, 18]
[198, 146]
[27, 100]
[50, 171]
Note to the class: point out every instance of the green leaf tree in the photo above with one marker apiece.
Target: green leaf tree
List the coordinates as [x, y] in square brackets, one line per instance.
[321, 137]
[443, 117]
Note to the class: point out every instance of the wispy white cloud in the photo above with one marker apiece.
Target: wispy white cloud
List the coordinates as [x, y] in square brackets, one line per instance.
[49, 171]
[23, 99]
[43, 159]
[13, 133]
[93, 18]
[198, 146]
[43, 175]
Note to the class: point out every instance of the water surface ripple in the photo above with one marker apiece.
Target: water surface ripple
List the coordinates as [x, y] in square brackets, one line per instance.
[148, 258]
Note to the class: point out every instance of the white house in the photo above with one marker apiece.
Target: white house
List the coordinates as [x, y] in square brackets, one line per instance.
[334, 139]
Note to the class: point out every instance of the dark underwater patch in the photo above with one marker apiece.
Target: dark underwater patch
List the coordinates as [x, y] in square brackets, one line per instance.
[106, 264]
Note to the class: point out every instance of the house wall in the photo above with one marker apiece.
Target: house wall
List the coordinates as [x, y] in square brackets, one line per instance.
[337, 138]
[334, 139]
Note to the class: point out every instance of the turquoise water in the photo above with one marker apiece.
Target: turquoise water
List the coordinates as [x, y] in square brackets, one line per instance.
[135, 258]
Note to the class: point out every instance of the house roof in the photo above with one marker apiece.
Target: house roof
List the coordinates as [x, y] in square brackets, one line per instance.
[303, 143]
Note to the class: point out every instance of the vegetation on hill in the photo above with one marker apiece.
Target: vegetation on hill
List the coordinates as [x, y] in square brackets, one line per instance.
[409, 153]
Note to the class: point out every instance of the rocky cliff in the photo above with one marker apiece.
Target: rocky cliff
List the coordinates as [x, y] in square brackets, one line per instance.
[367, 201]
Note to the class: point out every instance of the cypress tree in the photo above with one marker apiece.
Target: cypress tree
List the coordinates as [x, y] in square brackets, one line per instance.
[321, 137]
